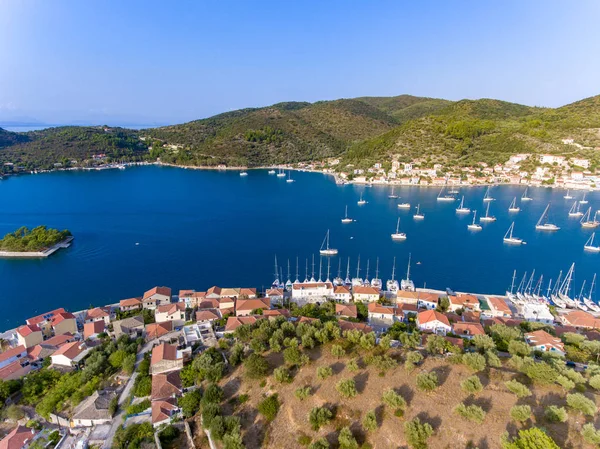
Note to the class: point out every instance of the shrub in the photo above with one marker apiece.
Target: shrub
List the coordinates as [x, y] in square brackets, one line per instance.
[520, 413]
[519, 348]
[169, 434]
[352, 365]
[413, 358]
[338, 351]
[472, 413]
[233, 440]
[590, 434]
[347, 388]
[282, 375]
[533, 438]
[484, 343]
[579, 402]
[269, 407]
[370, 421]
[321, 443]
[212, 395]
[417, 433]
[304, 440]
[294, 357]
[516, 387]
[493, 360]
[595, 382]
[555, 414]
[134, 409]
[256, 366]
[471, 385]
[474, 361]
[393, 399]
[318, 417]
[346, 440]
[14, 412]
[427, 381]
[209, 412]
[243, 398]
[540, 373]
[324, 372]
[302, 393]
[565, 382]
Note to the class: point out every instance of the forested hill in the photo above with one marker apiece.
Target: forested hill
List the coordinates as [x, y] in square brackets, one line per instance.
[361, 131]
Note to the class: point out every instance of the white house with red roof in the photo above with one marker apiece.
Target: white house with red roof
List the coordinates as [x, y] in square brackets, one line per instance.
[467, 330]
[433, 321]
[92, 329]
[346, 310]
[44, 321]
[498, 307]
[98, 314]
[342, 293]
[311, 292]
[543, 341]
[233, 322]
[244, 307]
[463, 301]
[163, 410]
[275, 295]
[380, 315]
[20, 437]
[365, 293]
[70, 354]
[165, 358]
[191, 298]
[174, 312]
[155, 297]
[29, 335]
[127, 305]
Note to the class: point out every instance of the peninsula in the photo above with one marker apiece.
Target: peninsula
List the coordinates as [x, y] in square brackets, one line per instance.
[37, 242]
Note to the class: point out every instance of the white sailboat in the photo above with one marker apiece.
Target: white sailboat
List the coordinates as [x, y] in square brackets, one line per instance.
[579, 301]
[398, 235]
[487, 216]
[243, 173]
[509, 238]
[487, 196]
[290, 177]
[407, 284]
[348, 281]
[462, 209]
[271, 172]
[445, 197]
[404, 206]
[474, 226]
[392, 284]
[325, 249]
[574, 211]
[589, 245]
[361, 201]
[525, 197]
[583, 200]
[418, 215]
[513, 206]
[357, 281]
[588, 301]
[346, 219]
[509, 294]
[563, 291]
[281, 173]
[392, 195]
[568, 196]
[586, 222]
[543, 224]
[376, 282]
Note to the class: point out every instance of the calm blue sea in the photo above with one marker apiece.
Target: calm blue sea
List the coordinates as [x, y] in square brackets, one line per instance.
[148, 226]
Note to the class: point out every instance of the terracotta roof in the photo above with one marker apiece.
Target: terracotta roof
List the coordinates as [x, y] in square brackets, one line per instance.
[170, 309]
[166, 385]
[28, 329]
[44, 316]
[275, 292]
[348, 310]
[96, 313]
[364, 290]
[12, 352]
[40, 351]
[130, 302]
[429, 297]
[579, 318]
[560, 330]
[401, 294]
[59, 340]
[17, 438]
[209, 303]
[251, 304]
[162, 409]
[464, 300]
[468, 329]
[214, 290]
[341, 290]
[276, 312]
[347, 325]
[166, 291]
[306, 319]
[227, 311]
[233, 322]
[248, 291]
[207, 315]
[432, 315]
[373, 307]
[541, 337]
[186, 293]
[15, 370]
[162, 352]
[157, 330]
[93, 328]
[60, 317]
[305, 285]
[71, 350]
[406, 308]
[471, 317]
[499, 304]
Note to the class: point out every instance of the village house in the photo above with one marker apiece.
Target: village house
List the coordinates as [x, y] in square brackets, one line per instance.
[207, 315]
[29, 335]
[498, 307]
[379, 315]
[275, 295]
[427, 300]
[543, 341]
[165, 358]
[166, 385]
[349, 326]
[11, 355]
[94, 410]
[580, 319]
[191, 298]
[63, 322]
[365, 293]
[467, 330]
[70, 355]
[98, 314]
[174, 312]
[433, 321]
[311, 292]
[92, 329]
[402, 311]
[163, 410]
[44, 321]
[346, 310]
[465, 302]
[406, 297]
[155, 297]
[275, 313]
[18, 438]
[245, 307]
[537, 312]
[342, 293]
[132, 327]
[127, 305]
[233, 322]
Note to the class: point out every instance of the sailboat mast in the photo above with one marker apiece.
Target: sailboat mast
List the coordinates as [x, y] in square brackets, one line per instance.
[297, 277]
[408, 268]
[512, 285]
[320, 268]
[339, 269]
[377, 269]
[328, 266]
[367, 275]
[313, 268]
[394, 269]
[549, 288]
[348, 269]
[358, 268]
[592, 286]
[289, 275]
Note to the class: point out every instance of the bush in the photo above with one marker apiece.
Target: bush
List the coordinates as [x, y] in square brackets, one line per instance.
[595, 382]
[565, 382]
[212, 395]
[540, 373]
[269, 407]
[319, 416]
[209, 412]
[516, 387]
[304, 440]
[134, 409]
[413, 358]
[233, 440]
[169, 434]
[472, 413]
[338, 351]
[347, 388]
[321, 443]
[282, 375]
[417, 433]
[493, 360]
[346, 440]
[14, 412]
[190, 403]
[427, 381]
[579, 402]
[256, 366]
[370, 421]
[471, 385]
[324, 372]
[533, 438]
[393, 399]
[352, 365]
[520, 413]
[556, 414]
[519, 348]
[590, 434]
[474, 361]
[302, 393]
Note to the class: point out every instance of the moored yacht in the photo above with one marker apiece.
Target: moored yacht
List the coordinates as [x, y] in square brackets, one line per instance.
[346, 219]
[357, 281]
[445, 197]
[281, 173]
[586, 222]
[474, 226]
[243, 173]
[325, 249]
[568, 196]
[583, 200]
[398, 235]
[418, 215]
[543, 224]
[361, 201]
[290, 177]
[487, 197]
[462, 209]
[487, 216]
[271, 172]
[392, 284]
[574, 211]
[525, 197]
[509, 238]
[376, 282]
[407, 284]
[404, 206]
[392, 195]
[513, 206]
[589, 245]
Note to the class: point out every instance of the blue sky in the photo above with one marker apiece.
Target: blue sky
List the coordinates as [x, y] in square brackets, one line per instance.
[115, 62]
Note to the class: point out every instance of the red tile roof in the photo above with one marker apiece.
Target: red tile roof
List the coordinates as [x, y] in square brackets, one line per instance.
[364, 290]
[71, 350]
[276, 312]
[579, 318]
[275, 292]
[341, 290]
[157, 330]
[306, 285]
[373, 307]
[541, 337]
[499, 304]
[468, 329]
[247, 291]
[44, 316]
[17, 438]
[348, 310]
[209, 303]
[12, 352]
[306, 319]
[162, 352]
[130, 302]
[251, 304]
[98, 312]
[28, 329]
[406, 308]
[60, 317]
[464, 300]
[93, 328]
[233, 322]
[347, 325]
[166, 291]
[170, 309]
[162, 409]
[432, 315]
[166, 385]
[59, 340]
[207, 315]
[14, 370]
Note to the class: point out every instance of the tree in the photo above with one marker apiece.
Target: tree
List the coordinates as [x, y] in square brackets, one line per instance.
[256, 366]
[427, 381]
[472, 413]
[417, 433]
[518, 348]
[282, 375]
[113, 406]
[269, 407]
[471, 385]
[518, 388]
[318, 417]
[595, 382]
[592, 347]
[129, 364]
[14, 412]
[565, 382]
[520, 413]
[393, 400]
[533, 438]
[323, 372]
[484, 343]
[294, 357]
[352, 365]
[212, 395]
[337, 351]
[474, 361]
[556, 414]
[370, 421]
[233, 440]
[437, 345]
[579, 402]
[346, 440]
[540, 373]
[591, 434]
[413, 358]
[321, 443]
[190, 403]
[302, 393]
[346, 388]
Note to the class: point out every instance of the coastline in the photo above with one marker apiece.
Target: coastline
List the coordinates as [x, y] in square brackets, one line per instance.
[37, 254]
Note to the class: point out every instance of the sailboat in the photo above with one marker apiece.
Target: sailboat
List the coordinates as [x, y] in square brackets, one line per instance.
[392, 195]
[325, 249]
[404, 206]
[392, 284]
[366, 282]
[398, 235]
[288, 284]
[509, 294]
[462, 209]
[508, 237]
[290, 177]
[579, 301]
[583, 200]
[543, 224]
[357, 281]
[567, 196]
[525, 197]
[574, 211]
[474, 226]
[588, 301]
[487, 215]
[243, 173]
[589, 245]
[281, 173]
[276, 283]
[376, 282]
[487, 196]
[346, 219]
[348, 281]
[513, 206]
[271, 172]
[563, 291]
[361, 201]
[446, 197]
[586, 222]
[407, 284]
[418, 215]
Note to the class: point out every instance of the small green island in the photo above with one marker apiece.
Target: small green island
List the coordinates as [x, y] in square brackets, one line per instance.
[40, 241]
